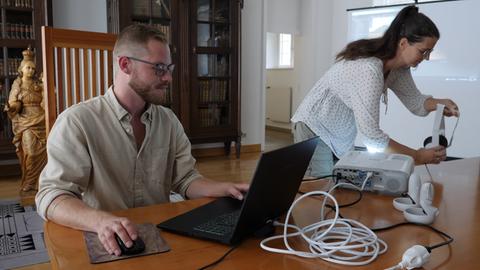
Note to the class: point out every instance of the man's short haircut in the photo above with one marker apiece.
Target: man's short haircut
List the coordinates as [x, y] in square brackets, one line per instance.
[132, 41]
[134, 38]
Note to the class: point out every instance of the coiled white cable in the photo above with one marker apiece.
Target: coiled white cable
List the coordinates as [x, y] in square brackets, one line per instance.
[337, 240]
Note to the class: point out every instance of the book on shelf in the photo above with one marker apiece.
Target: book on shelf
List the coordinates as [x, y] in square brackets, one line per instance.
[211, 116]
[161, 8]
[141, 8]
[212, 90]
[19, 3]
[18, 31]
[13, 64]
[164, 28]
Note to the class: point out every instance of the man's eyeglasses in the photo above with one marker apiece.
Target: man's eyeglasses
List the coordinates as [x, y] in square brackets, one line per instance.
[160, 68]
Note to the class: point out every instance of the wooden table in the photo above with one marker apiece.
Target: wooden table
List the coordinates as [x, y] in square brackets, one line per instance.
[457, 196]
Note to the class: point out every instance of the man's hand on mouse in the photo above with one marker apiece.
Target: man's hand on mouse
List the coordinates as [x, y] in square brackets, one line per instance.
[108, 225]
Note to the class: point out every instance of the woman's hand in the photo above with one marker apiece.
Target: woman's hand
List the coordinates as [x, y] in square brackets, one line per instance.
[451, 108]
[432, 155]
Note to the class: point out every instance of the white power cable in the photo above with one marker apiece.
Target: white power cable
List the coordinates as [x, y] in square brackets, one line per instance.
[369, 174]
[338, 240]
[414, 257]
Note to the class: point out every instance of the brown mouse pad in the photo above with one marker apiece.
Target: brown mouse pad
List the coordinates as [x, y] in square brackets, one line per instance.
[149, 233]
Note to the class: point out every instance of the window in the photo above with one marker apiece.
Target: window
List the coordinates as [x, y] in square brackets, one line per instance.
[285, 51]
[279, 50]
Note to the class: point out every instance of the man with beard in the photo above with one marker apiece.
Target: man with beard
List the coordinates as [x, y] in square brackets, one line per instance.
[122, 149]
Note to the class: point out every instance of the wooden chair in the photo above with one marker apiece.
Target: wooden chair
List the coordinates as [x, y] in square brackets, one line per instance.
[77, 65]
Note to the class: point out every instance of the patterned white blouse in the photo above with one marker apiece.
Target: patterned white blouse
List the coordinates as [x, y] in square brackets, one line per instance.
[349, 93]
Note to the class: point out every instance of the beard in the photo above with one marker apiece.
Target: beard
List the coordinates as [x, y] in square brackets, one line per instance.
[153, 93]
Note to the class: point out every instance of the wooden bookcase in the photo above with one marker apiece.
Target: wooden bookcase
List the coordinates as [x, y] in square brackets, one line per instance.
[20, 24]
[204, 38]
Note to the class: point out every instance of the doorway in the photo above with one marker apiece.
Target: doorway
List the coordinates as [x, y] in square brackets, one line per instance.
[280, 78]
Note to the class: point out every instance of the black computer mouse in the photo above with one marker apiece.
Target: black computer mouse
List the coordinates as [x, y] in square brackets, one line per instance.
[137, 247]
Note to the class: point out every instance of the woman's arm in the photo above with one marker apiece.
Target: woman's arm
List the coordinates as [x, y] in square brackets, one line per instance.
[403, 86]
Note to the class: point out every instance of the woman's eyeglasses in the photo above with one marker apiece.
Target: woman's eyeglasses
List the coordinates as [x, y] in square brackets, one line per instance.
[425, 53]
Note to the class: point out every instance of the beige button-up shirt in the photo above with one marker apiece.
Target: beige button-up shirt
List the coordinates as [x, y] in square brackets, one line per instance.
[92, 154]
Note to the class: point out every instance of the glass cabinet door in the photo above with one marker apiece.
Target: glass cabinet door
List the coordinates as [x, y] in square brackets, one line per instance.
[212, 47]
[213, 83]
[204, 40]
[213, 23]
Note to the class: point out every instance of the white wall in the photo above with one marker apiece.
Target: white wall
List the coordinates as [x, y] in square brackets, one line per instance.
[322, 28]
[278, 79]
[253, 72]
[87, 15]
[282, 16]
[313, 47]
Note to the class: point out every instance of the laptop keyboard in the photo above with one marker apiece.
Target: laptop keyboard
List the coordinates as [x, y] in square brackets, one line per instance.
[220, 225]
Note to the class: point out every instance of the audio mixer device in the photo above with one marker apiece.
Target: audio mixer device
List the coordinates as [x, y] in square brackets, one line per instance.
[377, 172]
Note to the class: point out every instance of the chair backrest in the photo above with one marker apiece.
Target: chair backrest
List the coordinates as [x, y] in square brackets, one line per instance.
[77, 65]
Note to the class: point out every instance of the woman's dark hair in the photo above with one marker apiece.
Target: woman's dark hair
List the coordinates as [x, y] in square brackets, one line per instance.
[409, 23]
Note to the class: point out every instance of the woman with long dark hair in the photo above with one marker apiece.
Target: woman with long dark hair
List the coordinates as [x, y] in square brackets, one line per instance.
[348, 96]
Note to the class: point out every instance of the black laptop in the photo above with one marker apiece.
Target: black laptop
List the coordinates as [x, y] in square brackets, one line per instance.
[273, 188]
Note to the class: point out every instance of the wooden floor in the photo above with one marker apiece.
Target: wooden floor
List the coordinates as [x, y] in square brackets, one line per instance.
[275, 139]
[217, 168]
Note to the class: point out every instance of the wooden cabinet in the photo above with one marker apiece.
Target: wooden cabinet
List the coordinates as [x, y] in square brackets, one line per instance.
[20, 24]
[204, 38]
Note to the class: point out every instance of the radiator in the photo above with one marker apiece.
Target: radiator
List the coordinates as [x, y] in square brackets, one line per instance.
[279, 104]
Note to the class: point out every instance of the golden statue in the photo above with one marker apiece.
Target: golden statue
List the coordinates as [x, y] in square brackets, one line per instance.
[25, 108]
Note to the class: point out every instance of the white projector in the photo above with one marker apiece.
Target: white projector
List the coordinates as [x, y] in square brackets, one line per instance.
[390, 172]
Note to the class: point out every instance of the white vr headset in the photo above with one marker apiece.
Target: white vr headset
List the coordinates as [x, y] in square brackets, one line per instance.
[438, 134]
